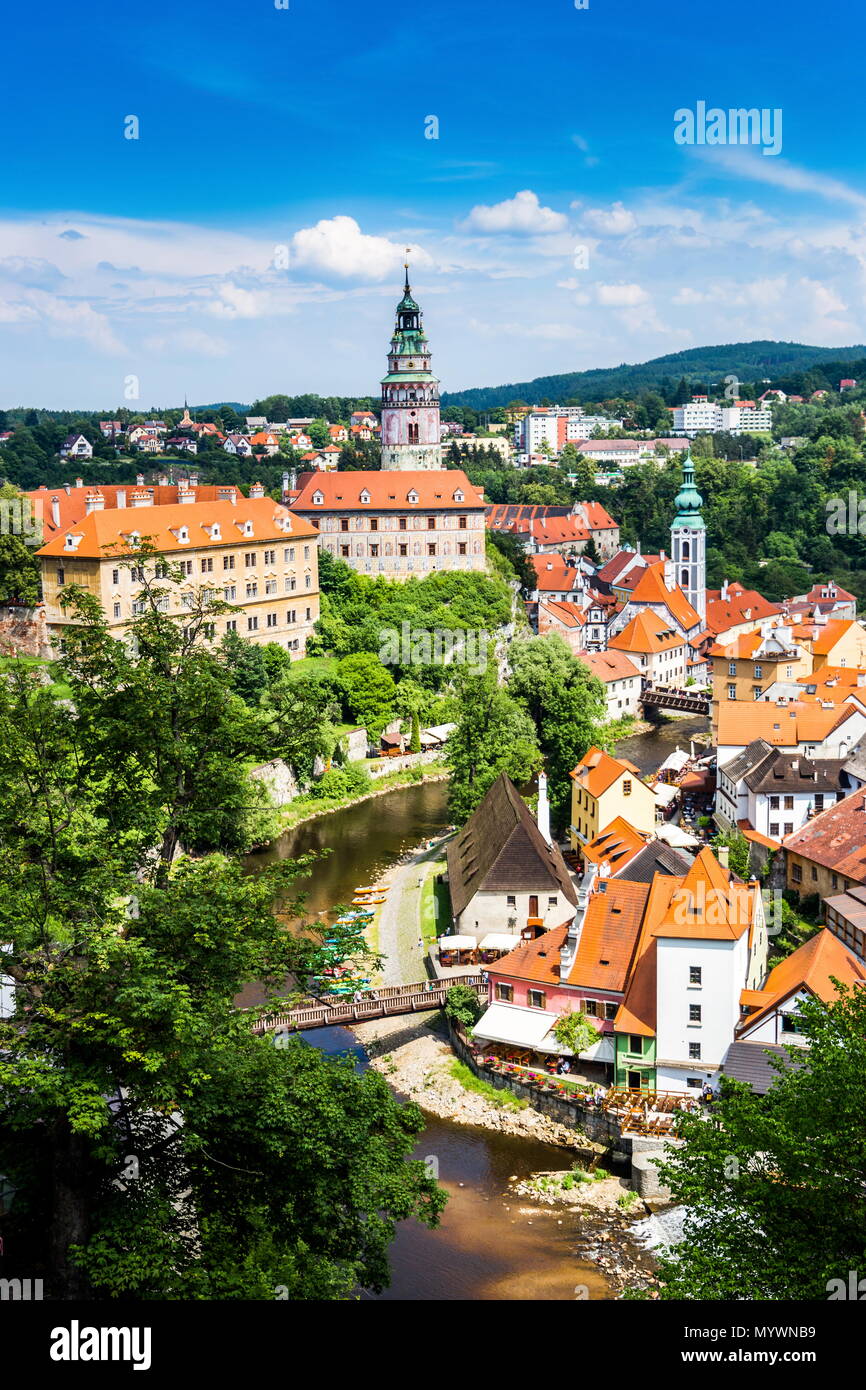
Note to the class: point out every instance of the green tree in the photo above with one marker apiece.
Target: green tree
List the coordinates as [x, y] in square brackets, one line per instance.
[739, 850]
[368, 690]
[566, 704]
[574, 1031]
[773, 1184]
[493, 735]
[157, 1146]
[462, 1006]
[415, 740]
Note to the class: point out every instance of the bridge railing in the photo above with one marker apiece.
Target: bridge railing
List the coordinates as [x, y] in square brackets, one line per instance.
[377, 1003]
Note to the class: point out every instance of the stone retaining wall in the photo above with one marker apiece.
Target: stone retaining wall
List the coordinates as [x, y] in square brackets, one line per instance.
[24, 631]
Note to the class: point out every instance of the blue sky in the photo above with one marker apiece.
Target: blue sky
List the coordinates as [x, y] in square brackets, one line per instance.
[250, 240]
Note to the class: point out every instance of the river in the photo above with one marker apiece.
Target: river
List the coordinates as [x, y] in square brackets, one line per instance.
[488, 1246]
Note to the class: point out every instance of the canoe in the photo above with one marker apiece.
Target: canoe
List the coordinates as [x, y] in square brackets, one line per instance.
[367, 890]
[369, 901]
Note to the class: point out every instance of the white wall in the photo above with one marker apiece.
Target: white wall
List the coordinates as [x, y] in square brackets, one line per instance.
[489, 912]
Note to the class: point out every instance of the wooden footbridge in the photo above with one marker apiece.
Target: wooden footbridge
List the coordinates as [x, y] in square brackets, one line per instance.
[663, 698]
[369, 1003]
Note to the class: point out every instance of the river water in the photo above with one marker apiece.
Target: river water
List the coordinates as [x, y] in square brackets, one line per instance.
[488, 1245]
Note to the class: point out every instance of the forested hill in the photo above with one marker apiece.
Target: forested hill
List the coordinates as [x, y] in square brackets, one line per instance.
[789, 366]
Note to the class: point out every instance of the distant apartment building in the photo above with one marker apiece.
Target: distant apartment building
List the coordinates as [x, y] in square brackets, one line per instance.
[396, 523]
[252, 554]
[703, 416]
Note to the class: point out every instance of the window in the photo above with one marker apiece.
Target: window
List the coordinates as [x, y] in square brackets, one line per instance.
[789, 827]
[252, 624]
[461, 523]
[461, 548]
[694, 1083]
[732, 692]
[814, 874]
[819, 801]
[774, 829]
[774, 803]
[626, 787]
[228, 562]
[791, 1023]
[344, 523]
[610, 1011]
[290, 583]
[345, 551]
[694, 974]
[789, 803]
[230, 592]
[694, 1013]
[511, 900]
[61, 575]
[431, 549]
[505, 993]
[252, 589]
[308, 581]
[401, 523]
[374, 551]
[270, 557]
[536, 998]
[232, 625]
[115, 576]
[272, 620]
[758, 673]
[290, 616]
[431, 523]
[309, 614]
[270, 586]
[796, 873]
[732, 668]
[250, 558]
[694, 1052]
[402, 550]
[117, 610]
[207, 565]
[551, 902]
[374, 523]
[635, 1044]
[185, 567]
[590, 1008]
[306, 552]
[289, 553]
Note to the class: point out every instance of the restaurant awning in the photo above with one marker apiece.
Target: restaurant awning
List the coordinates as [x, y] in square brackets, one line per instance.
[457, 943]
[499, 941]
[676, 837]
[602, 1051]
[509, 1023]
[665, 793]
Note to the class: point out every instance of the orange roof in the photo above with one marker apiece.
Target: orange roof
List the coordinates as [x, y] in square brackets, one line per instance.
[785, 726]
[615, 846]
[553, 574]
[597, 516]
[536, 960]
[737, 607]
[646, 633]
[609, 934]
[557, 530]
[597, 771]
[609, 665]
[833, 683]
[651, 588]
[814, 966]
[73, 504]
[103, 530]
[564, 612]
[823, 637]
[637, 1012]
[389, 491]
[835, 838]
[707, 904]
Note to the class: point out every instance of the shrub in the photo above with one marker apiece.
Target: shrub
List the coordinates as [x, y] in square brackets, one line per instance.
[462, 1006]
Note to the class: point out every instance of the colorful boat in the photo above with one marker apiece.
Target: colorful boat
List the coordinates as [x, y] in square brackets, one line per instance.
[369, 901]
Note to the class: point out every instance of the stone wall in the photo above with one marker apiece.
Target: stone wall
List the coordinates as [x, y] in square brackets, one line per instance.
[407, 760]
[24, 632]
[279, 779]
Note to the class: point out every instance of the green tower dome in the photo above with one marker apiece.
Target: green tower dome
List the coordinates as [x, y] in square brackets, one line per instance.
[688, 500]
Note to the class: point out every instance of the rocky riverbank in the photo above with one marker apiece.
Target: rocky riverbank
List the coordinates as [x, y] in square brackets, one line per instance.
[416, 1061]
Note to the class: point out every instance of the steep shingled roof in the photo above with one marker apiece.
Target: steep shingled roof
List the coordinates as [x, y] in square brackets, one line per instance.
[835, 838]
[501, 850]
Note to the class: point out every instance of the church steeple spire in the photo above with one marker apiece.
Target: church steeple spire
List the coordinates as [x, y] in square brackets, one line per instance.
[689, 541]
[410, 391]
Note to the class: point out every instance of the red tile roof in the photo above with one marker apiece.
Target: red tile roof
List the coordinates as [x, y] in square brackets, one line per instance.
[836, 838]
[388, 491]
[103, 530]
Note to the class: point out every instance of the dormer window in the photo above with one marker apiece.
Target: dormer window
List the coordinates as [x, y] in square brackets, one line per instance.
[318, 498]
[183, 534]
[248, 528]
[365, 496]
[458, 496]
[215, 532]
[413, 496]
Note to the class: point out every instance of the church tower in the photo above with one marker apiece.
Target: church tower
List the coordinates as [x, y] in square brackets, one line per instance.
[410, 394]
[689, 542]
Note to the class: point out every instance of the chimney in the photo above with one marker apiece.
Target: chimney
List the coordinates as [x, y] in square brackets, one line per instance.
[185, 493]
[120, 497]
[723, 594]
[226, 494]
[723, 852]
[94, 502]
[163, 480]
[543, 813]
[670, 582]
[257, 490]
[139, 478]
[584, 892]
[141, 498]
[285, 486]
[55, 511]
[67, 489]
[79, 482]
[193, 480]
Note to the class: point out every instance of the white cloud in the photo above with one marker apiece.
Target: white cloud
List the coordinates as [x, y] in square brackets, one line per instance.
[521, 215]
[188, 340]
[616, 220]
[621, 296]
[337, 248]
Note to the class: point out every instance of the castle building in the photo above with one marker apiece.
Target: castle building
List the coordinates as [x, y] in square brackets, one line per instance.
[410, 394]
[689, 542]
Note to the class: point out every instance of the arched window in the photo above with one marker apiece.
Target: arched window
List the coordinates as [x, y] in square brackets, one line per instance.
[684, 578]
[686, 551]
[413, 434]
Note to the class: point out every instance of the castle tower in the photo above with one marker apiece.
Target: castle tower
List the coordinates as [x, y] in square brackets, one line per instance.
[689, 542]
[410, 394]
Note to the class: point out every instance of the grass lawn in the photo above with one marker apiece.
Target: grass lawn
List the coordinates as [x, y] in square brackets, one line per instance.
[435, 904]
[58, 687]
[314, 666]
[470, 1082]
